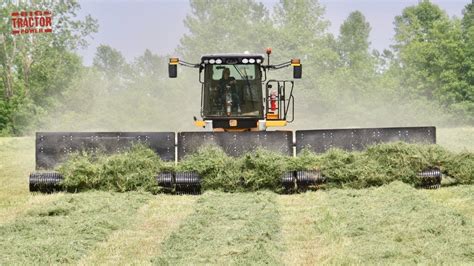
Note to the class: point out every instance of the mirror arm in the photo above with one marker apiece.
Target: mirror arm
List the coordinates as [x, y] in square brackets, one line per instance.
[279, 66]
[186, 64]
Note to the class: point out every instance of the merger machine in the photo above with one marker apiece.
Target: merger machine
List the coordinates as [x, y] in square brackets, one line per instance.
[239, 106]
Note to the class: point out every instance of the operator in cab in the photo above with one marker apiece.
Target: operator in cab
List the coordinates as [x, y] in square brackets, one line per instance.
[228, 92]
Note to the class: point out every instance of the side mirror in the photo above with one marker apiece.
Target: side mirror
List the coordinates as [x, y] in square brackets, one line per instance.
[173, 67]
[297, 71]
[172, 70]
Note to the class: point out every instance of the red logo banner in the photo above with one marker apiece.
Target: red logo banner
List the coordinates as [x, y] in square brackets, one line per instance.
[24, 22]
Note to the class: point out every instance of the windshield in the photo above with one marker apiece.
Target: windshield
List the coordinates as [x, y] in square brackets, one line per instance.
[239, 72]
[232, 91]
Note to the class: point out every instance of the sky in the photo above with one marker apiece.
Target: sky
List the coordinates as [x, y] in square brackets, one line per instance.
[133, 26]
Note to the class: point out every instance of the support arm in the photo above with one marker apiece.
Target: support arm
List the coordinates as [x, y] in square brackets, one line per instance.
[173, 66]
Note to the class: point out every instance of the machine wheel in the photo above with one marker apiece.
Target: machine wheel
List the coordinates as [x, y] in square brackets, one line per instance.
[430, 178]
[45, 182]
[187, 183]
[288, 181]
[165, 180]
[309, 177]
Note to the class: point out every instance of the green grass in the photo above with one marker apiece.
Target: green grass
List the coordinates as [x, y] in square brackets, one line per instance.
[459, 198]
[391, 224]
[141, 239]
[237, 228]
[65, 230]
[16, 161]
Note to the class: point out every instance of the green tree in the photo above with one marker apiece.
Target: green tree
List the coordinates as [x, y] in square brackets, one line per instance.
[356, 70]
[302, 32]
[35, 68]
[468, 38]
[150, 74]
[415, 44]
[416, 22]
[468, 16]
[432, 51]
[24, 51]
[150, 65]
[354, 41]
[110, 61]
[224, 26]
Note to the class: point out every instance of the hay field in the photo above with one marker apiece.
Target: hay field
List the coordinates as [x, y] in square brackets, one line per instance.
[393, 224]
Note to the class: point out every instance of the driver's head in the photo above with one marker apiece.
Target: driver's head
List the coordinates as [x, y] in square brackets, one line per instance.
[226, 73]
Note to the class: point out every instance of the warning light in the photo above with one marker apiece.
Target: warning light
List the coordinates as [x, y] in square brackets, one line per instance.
[295, 62]
[174, 61]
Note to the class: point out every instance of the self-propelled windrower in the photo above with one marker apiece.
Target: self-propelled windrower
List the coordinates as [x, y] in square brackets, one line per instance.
[239, 107]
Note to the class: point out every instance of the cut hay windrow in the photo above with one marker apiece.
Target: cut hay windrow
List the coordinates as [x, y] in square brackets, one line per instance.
[132, 170]
[227, 229]
[378, 165]
[389, 225]
[68, 228]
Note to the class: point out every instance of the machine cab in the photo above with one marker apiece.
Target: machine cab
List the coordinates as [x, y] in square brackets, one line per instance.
[234, 96]
[232, 86]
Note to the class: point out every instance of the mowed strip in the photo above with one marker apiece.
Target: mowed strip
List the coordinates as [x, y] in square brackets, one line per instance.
[393, 224]
[68, 228]
[16, 162]
[459, 198]
[302, 240]
[227, 228]
[139, 242]
[17, 159]
[35, 200]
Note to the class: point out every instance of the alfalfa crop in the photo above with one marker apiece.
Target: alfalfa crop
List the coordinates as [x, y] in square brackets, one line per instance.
[381, 164]
[134, 169]
[384, 163]
[460, 167]
[217, 170]
[262, 169]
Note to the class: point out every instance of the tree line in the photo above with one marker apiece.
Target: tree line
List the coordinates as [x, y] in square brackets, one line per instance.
[425, 76]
